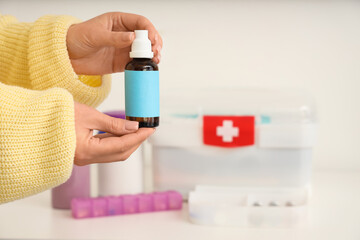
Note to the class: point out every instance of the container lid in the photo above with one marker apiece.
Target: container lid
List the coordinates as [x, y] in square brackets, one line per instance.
[141, 46]
[269, 118]
[283, 105]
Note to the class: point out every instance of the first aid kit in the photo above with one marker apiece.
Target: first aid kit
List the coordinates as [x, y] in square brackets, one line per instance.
[245, 138]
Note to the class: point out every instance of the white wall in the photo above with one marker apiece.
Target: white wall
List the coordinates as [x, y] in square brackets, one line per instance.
[313, 45]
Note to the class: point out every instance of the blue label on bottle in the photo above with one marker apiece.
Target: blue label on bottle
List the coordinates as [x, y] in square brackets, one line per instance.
[142, 93]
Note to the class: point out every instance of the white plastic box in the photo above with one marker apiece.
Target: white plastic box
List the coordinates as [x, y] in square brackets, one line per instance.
[284, 136]
[248, 207]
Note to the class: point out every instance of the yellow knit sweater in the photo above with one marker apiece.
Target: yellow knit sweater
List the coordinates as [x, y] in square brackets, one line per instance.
[38, 87]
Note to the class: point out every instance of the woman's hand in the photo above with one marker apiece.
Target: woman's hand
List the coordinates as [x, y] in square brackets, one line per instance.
[122, 138]
[101, 45]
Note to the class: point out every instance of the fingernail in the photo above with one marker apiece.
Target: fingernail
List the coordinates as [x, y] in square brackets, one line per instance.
[156, 37]
[131, 125]
[129, 36]
[156, 60]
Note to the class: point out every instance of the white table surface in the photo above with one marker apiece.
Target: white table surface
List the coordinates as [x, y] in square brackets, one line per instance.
[334, 213]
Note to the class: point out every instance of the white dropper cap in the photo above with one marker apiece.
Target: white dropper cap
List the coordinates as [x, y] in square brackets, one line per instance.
[141, 46]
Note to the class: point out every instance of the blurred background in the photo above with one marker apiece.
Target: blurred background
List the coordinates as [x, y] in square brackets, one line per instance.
[311, 45]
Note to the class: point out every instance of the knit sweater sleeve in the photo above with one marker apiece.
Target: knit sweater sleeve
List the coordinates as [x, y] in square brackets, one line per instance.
[38, 87]
[35, 56]
[37, 140]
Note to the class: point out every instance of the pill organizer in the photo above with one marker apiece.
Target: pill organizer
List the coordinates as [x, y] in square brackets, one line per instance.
[126, 204]
[250, 207]
[249, 138]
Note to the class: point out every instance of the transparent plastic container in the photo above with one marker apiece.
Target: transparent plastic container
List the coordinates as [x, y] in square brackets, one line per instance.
[279, 155]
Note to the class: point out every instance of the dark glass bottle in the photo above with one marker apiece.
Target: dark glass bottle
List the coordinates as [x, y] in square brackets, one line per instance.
[143, 64]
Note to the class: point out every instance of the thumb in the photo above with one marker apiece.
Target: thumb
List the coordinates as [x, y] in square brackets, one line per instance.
[117, 39]
[113, 125]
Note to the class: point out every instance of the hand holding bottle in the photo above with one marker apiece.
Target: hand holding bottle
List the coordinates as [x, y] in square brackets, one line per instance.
[101, 45]
[122, 138]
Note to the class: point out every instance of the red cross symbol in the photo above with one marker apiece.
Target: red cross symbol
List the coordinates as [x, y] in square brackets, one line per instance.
[229, 131]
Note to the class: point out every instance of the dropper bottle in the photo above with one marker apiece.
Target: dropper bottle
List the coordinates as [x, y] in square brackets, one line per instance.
[142, 83]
